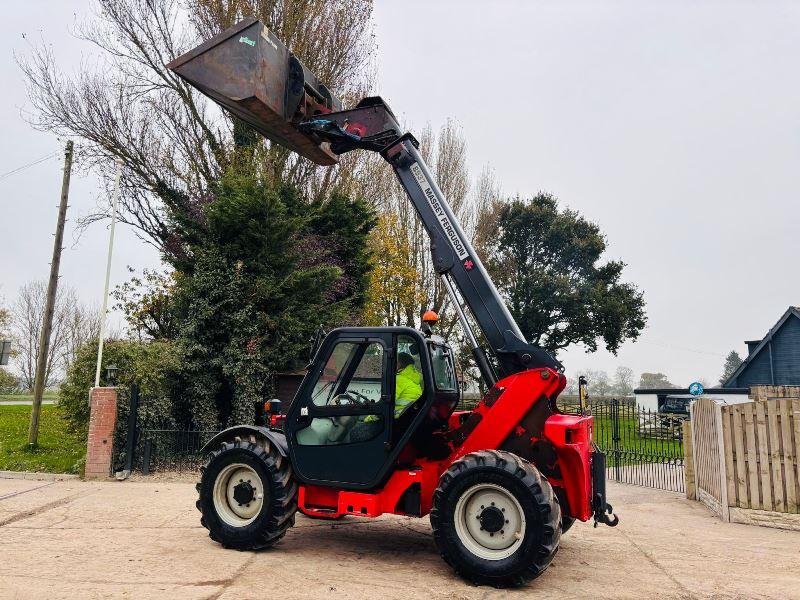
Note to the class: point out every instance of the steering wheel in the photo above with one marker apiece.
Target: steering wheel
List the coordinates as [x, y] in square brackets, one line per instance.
[353, 397]
[362, 399]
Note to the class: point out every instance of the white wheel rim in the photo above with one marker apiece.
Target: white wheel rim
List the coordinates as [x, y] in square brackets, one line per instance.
[236, 511]
[472, 505]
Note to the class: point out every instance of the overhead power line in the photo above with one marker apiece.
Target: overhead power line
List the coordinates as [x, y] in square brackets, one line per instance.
[30, 164]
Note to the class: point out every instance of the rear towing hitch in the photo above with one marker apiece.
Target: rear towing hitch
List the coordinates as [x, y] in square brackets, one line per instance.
[602, 509]
[602, 516]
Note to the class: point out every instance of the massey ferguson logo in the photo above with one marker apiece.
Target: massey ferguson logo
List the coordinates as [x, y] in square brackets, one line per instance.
[438, 210]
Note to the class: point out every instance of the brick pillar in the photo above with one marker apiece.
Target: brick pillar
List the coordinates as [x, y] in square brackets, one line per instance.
[102, 420]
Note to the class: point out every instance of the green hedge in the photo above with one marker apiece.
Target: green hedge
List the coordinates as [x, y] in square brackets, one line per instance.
[153, 365]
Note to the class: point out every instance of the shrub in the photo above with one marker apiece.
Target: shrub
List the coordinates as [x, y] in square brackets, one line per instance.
[152, 365]
[8, 382]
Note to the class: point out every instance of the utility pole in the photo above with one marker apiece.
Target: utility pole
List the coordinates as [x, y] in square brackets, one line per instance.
[50, 303]
[103, 315]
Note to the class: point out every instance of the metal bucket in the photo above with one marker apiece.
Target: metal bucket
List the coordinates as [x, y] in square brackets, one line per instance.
[247, 70]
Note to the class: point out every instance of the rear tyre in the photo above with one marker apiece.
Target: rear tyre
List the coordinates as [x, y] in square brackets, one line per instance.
[495, 519]
[247, 495]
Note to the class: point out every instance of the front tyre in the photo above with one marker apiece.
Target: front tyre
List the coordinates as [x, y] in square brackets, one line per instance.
[247, 495]
[495, 519]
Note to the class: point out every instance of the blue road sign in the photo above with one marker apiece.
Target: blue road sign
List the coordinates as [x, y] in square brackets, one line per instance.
[696, 389]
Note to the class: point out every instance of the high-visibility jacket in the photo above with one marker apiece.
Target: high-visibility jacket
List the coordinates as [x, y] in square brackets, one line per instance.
[408, 389]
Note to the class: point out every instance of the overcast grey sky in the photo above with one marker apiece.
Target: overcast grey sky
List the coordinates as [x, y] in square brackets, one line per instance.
[674, 125]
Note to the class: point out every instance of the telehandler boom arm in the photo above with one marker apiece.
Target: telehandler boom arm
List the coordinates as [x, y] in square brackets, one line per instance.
[250, 72]
[454, 258]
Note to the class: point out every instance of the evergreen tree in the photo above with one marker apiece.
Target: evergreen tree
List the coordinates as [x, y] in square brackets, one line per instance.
[546, 262]
[732, 362]
[256, 276]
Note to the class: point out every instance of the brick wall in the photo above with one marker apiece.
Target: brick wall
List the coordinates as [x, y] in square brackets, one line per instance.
[102, 419]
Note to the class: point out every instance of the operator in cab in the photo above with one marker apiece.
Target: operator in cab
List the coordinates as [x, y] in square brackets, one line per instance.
[408, 385]
[407, 390]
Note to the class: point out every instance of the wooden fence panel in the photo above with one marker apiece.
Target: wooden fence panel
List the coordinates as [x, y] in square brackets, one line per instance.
[763, 457]
[761, 454]
[789, 460]
[795, 409]
[730, 467]
[710, 481]
[751, 448]
[775, 454]
[740, 471]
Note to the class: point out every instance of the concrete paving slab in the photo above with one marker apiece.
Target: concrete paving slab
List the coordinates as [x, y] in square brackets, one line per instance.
[123, 505]
[143, 540]
[22, 499]
[14, 486]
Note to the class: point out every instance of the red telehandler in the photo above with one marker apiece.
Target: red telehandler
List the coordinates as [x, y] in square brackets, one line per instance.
[502, 482]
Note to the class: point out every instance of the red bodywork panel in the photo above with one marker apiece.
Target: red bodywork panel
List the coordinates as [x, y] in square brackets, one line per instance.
[508, 417]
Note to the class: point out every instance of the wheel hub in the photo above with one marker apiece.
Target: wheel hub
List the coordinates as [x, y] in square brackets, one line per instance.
[238, 494]
[491, 519]
[243, 493]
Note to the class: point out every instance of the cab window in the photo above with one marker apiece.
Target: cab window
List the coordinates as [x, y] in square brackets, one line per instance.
[353, 375]
[444, 373]
[364, 381]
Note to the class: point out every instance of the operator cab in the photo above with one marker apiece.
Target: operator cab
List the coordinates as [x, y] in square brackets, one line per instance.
[368, 394]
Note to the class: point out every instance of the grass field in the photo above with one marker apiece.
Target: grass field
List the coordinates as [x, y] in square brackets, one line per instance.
[636, 445]
[634, 448]
[59, 450]
[27, 397]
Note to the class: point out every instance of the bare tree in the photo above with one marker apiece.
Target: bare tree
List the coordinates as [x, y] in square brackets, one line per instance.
[599, 383]
[623, 381]
[172, 141]
[82, 324]
[402, 235]
[74, 324]
[488, 203]
[27, 316]
[5, 320]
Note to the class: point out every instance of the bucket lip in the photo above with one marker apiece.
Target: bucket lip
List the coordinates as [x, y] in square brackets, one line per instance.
[211, 42]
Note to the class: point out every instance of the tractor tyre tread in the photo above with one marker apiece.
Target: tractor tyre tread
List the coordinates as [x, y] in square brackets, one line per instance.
[523, 480]
[277, 515]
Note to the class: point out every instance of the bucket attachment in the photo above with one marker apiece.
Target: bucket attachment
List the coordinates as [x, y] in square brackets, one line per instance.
[248, 71]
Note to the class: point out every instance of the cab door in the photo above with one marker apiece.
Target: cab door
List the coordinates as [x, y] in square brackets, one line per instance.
[340, 421]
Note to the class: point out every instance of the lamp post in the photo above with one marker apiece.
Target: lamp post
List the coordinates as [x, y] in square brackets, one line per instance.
[111, 375]
[104, 310]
